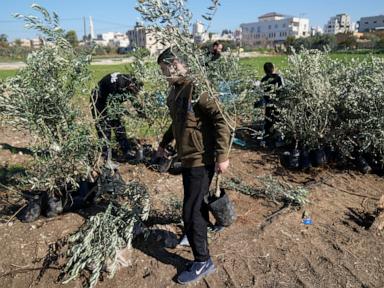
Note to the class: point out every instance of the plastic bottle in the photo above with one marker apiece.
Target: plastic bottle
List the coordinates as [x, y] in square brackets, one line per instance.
[307, 220]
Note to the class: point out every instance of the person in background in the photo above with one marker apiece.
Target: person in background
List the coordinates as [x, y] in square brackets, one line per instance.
[215, 52]
[114, 87]
[202, 143]
[271, 83]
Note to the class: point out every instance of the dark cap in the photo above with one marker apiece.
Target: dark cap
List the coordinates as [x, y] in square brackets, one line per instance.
[167, 56]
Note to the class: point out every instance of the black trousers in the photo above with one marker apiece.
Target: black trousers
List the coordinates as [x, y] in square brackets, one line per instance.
[271, 117]
[105, 127]
[196, 182]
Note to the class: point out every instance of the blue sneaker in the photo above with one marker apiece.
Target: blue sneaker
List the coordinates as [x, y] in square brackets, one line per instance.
[195, 271]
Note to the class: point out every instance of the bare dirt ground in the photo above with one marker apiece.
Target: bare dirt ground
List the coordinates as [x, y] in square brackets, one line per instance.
[257, 251]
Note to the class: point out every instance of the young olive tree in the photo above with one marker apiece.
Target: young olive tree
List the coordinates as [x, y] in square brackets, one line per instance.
[360, 104]
[307, 101]
[171, 21]
[39, 99]
[151, 99]
[66, 150]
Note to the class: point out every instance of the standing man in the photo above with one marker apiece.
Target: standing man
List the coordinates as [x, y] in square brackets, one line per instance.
[271, 83]
[202, 142]
[114, 88]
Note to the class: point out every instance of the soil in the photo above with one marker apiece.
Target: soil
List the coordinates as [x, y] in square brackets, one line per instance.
[268, 246]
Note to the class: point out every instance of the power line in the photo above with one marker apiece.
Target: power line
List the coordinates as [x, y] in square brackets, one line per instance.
[111, 23]
[20, 21]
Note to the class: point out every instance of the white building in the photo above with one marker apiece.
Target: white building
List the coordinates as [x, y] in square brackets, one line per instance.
[23, 43]
[222, 37]
[238, 35]
[120, 40]
[316, 31]
[199, 33]
[115, 39]
[273, 28]
[36, 43]
[198, 28]
[140, 37]
[372, 23]
[340, 23]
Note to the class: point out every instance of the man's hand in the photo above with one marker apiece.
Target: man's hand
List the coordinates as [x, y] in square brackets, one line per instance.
[222, 167]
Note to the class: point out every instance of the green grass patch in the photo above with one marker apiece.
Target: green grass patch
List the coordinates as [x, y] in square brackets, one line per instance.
[280, 61]
[257, 63]
[7, 73]
[99, 71]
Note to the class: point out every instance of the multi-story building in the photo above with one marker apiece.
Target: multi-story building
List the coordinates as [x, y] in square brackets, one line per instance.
[141, 37]
[238, 35]
[199, 33]
[23, 43]
[340, 23]
[316, 31]
[274, 28]
[36, 43]
[115, 39]
[372, 23]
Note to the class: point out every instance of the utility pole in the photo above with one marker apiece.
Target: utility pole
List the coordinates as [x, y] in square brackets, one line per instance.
[84, 29]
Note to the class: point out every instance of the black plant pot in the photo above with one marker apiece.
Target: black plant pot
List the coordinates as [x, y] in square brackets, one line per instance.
[284, 159]
[318, 157]
[330, 154]
[374, 162]
[305, 161]
[362, 165]
[176, 168]
[222, 209]
[294, 159]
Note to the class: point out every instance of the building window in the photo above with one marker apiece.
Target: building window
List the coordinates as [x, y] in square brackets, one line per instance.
[269, 27]
[276, 26]
[258, 29]
[252, 29]
[284, 25]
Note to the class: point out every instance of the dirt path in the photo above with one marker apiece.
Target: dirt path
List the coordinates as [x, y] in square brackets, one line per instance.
[336, 251]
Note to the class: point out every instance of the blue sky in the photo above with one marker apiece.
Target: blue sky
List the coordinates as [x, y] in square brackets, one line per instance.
[119, 15]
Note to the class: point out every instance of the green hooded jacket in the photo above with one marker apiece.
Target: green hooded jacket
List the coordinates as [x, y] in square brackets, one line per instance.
[200, 130]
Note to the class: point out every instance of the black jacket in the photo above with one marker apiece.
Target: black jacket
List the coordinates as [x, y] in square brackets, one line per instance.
[272, 82]
[115, 85]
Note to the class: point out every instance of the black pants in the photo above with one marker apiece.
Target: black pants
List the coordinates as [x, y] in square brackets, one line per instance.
[105, 127]
[271, 117]
[196, 183]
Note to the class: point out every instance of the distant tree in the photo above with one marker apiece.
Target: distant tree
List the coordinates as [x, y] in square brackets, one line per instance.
[71, 36]
[290, 41]
[17, 42]
[380, 43]
[321, 41]
[3, 40]
[318, 41]
[346, 41]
